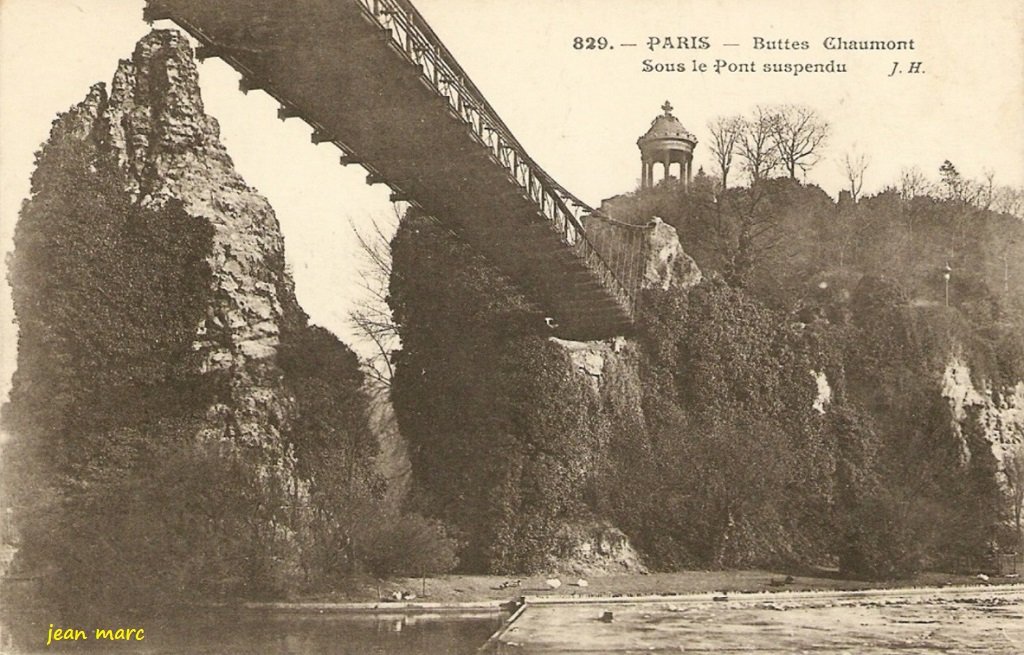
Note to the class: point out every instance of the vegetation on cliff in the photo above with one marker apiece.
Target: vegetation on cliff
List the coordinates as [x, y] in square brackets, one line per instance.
[865, 282]
[502, 436]
[107, 296]
[736, 466]
[729, 455]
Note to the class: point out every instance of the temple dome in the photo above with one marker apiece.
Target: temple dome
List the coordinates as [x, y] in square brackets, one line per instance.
[667, 126]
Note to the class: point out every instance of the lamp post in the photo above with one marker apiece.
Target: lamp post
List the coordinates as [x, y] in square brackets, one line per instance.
[945, 276]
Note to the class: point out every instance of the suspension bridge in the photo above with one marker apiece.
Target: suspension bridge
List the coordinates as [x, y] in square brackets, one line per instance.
[373, 79]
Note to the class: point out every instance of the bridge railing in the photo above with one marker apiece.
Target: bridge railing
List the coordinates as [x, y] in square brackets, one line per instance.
[625, 246]
[411, 37]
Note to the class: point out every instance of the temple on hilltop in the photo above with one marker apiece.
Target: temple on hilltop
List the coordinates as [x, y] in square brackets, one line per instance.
[666, 143]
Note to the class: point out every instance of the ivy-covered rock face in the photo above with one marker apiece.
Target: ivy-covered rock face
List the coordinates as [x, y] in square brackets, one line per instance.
[524, 441]
[136, 179]
[783, 405]
[499, 431]
[177, 425]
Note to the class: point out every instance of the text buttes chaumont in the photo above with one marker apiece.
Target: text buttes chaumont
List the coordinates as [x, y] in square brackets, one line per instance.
[834, 43]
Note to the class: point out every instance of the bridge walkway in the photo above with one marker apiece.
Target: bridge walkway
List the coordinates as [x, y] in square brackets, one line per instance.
[372, 78]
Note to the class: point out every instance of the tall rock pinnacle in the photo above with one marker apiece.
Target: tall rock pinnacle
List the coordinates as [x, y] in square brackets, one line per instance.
[152, 298]
[153, 127]
[165, 369]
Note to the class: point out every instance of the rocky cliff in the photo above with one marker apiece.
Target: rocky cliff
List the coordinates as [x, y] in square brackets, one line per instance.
[611, 368]
[156, 317]
[153, 125]
[150, 131]
[509, 430]
[665, 265]
[997, 412]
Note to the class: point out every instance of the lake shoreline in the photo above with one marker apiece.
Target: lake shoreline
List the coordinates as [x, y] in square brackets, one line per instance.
[468, 593]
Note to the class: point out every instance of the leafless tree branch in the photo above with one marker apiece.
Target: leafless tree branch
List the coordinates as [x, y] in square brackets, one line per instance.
[372, 317]
[756, 146]
[854, 165]
[799, 134]
[726, 134]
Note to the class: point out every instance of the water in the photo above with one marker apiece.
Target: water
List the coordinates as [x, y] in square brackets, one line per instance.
[932, 623]
[280, 633]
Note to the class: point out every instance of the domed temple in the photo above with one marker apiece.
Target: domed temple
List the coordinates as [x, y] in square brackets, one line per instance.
[667, 143]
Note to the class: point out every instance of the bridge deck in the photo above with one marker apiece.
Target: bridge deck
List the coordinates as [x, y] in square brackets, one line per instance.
[387, 107]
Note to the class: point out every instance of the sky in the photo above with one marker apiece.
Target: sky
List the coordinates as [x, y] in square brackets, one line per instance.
[578, 112]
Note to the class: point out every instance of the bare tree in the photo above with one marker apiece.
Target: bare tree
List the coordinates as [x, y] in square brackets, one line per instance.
[799, 134]
[726, 134]
[913, 183]
[854, 165]
[371, 316]
[756, 146]
[986, 192]
[1009, 200]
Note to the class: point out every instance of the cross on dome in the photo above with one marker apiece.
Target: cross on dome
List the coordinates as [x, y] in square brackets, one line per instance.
[667, 107]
